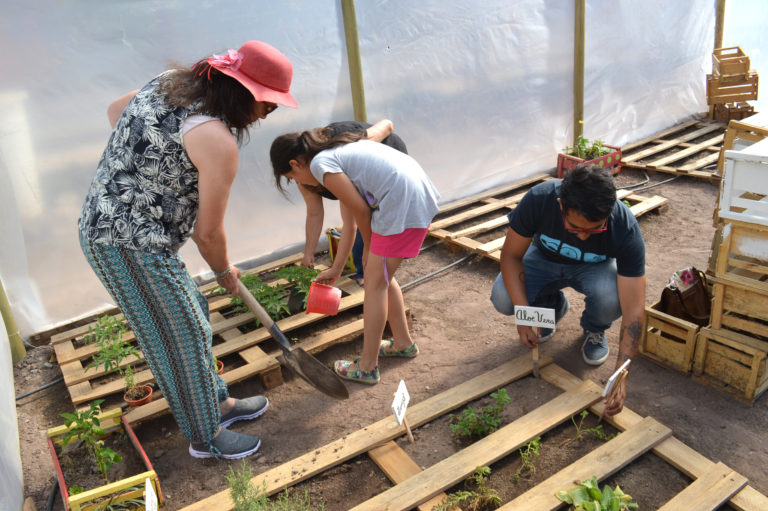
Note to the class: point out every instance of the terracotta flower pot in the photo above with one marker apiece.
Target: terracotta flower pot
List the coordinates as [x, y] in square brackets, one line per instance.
[219, 367]
[139, 395]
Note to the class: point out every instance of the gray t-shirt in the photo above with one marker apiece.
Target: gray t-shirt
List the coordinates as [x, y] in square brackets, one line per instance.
[393, 183]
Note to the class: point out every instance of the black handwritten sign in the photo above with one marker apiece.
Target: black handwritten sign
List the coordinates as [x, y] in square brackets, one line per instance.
[535, 316]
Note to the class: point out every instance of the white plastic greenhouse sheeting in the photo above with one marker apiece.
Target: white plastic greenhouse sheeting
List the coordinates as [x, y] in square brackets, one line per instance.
[480, 90]
[11, 488]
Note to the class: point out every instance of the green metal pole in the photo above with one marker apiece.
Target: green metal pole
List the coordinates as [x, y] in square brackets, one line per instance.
[17, 345]
[579, 45]
[353, 56]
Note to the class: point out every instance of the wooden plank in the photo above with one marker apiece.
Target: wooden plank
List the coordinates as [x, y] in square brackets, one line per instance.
[489, 225]
[485, 451]
[659, 135]
[475, 212]
[647, 205]
[668, 144]
[709, 492]
[398, 467]
[362, 440]
[499, 190]
[701, 162]
[688, 152]
[607, 459]
[672, 450]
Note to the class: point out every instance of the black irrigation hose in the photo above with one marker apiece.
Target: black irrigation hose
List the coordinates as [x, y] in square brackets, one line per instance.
[52, 494]
[635, 185]
[656, 184]
[50, 384]
[444, 268]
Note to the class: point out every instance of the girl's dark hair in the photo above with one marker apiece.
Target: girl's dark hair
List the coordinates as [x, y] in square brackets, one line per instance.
[304, 145]
[588, 190]
[221, 95]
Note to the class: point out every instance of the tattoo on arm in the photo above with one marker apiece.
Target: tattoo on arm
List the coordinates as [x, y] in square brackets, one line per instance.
[633, 332]
[521, 276]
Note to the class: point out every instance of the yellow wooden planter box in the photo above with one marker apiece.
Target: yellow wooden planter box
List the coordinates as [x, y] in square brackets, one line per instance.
[740, 306]
[732, 363]
[111, 422]
[667, 340]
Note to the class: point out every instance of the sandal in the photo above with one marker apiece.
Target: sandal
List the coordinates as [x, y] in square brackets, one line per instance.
[342, 368]
[386, 350]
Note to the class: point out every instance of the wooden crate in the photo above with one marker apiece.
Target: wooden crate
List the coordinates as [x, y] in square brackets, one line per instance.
[723, 90]
[667, 340]
[729, 62]
[742, 254]
[741, 134]
[732, 363]
[739, 306]
[732, 111]
[744, 189]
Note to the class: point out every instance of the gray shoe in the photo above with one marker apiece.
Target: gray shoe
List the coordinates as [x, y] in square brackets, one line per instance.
[595, 348]
[227, 445]
[245, 409]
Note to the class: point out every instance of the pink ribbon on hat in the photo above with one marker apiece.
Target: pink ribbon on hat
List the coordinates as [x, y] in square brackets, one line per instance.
[231, 60]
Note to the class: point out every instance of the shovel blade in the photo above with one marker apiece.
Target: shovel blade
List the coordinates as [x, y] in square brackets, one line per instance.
[320, 376]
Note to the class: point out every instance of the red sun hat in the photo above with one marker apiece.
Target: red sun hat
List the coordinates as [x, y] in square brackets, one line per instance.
[261, 68]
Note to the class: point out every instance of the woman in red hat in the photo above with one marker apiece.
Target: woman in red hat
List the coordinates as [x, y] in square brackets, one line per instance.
[164, 177]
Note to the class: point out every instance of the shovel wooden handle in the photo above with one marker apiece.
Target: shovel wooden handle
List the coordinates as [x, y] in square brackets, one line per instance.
[254, 306]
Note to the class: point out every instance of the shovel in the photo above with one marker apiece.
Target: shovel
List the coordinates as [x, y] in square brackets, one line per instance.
[304, 364]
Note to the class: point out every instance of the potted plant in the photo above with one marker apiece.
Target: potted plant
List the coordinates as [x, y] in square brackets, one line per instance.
[108, 336]
[219, 365]
[84, 433]
[589, 152]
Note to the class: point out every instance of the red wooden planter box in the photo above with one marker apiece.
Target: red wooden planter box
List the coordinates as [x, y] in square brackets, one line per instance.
[610, 161]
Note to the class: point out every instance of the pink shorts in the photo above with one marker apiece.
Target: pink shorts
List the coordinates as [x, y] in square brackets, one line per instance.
[405, 244]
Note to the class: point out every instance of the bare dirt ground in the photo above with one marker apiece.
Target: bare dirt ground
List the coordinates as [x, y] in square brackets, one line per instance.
[460, 336]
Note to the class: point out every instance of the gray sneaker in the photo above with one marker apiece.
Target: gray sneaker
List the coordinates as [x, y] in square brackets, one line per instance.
[245, 409]
[595, 348]
[227, 445]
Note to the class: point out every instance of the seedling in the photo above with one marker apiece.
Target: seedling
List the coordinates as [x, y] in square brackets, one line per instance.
[586, 149]
[528, 455]
[480, 424]
[586, 496]
[247, 498]
[480, 499]
[581, 431]
[299, 278]
[112, 350]
[272, 298]
[106, 328]
[86, 428]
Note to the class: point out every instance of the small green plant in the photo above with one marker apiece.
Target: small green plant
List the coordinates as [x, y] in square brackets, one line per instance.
[528, 455]
[581, 431]
[86, 428]
[247, 498]
[586, 149]
[112, 350]
[299, 278]
[472, 423]
[481, 498]
[75, 489]
[106, 328]
[586, 496]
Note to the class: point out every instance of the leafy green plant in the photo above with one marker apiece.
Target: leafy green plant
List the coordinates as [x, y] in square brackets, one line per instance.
[586, 149]
[75, 489]
[86, 428]
[586, 496]
[112, 350]
[106, 328]
[481, 498]
[299, 278]
[247, 498]
[472, 423]
[582, 431]
[528, 455]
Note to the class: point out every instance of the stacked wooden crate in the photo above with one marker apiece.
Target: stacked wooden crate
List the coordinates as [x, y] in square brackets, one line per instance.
[731, 85]
[732, 352]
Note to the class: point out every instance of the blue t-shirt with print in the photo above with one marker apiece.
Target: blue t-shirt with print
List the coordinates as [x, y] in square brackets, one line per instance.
[538, 216]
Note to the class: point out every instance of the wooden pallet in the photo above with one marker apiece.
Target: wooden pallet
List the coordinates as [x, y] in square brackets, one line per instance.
[229, 339]
[713, 483]
[687, 149]
[479, 223]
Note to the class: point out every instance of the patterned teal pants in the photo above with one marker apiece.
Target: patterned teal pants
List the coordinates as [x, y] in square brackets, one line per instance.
[169, 316]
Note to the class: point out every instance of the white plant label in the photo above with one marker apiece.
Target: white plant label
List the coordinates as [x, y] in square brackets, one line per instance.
[535, 316]
[400, 403]
[150, 498]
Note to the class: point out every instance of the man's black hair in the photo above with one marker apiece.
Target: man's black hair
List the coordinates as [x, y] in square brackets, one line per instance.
[589, 191]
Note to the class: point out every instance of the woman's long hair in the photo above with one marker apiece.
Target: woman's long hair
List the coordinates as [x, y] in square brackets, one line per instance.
[304, 145]
[221, 95]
